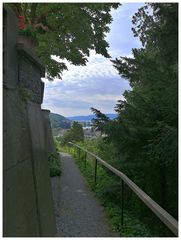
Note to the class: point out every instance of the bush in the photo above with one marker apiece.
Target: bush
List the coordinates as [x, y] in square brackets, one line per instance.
[54, 164]
[108, 190]
[75, 134]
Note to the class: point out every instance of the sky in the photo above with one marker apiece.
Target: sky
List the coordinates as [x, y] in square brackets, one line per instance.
[97, 84]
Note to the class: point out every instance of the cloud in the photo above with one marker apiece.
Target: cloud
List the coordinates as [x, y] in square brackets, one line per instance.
[121, 36]
[97, 84]
[75, 98]
[97, 66]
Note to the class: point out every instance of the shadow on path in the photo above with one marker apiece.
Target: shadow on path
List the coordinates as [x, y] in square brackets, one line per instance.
[78, 212]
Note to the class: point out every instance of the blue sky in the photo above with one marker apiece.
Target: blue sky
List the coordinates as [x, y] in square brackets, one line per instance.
[97, 84]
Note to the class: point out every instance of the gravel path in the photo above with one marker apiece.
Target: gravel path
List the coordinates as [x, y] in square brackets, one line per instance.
[78, 212]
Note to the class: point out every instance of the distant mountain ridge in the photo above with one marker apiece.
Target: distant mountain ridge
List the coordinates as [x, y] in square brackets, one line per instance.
[59, 121]
[90, 117]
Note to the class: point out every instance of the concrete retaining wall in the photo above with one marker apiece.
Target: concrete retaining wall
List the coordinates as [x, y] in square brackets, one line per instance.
[27, 195]
[48, 132]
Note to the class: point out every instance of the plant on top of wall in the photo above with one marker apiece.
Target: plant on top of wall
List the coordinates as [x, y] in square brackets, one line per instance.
[26, 29]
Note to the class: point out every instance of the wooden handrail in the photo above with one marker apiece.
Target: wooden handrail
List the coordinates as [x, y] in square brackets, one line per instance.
[163, 215]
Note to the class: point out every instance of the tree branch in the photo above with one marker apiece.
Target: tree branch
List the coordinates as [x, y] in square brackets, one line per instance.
[40, 25]
[33, 12]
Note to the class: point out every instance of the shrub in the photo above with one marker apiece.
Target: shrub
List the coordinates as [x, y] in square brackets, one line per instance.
[54, 164]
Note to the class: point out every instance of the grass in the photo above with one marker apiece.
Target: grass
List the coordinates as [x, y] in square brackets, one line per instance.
[139, 220]
[108, 190]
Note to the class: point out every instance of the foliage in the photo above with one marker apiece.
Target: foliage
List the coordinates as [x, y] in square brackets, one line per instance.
[100, 119]
[68, 31]
[59, 121]
[54, 164]
[26, 29]
[144, 135]
[108, 190]
[75, 134]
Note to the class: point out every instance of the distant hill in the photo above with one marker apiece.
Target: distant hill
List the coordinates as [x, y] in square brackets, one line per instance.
[88, 118]
[59, 121]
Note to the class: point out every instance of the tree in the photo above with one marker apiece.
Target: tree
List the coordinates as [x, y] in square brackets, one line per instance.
[100, 120]
[75, 134]
[68, 31]
[145, 132]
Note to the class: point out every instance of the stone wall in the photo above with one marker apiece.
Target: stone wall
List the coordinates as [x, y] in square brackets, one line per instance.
[30, 71]
[27, 195]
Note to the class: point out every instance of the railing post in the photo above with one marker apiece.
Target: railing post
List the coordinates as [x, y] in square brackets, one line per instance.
[85, 160]
[79, 153]
[95, 172]
[164, 216]
[74, 151]
[122, 202]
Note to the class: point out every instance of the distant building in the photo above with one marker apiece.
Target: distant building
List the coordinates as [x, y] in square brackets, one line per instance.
[59, 132]
[89, 132]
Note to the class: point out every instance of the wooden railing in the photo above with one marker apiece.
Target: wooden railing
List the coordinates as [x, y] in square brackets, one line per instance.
[163, 215]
